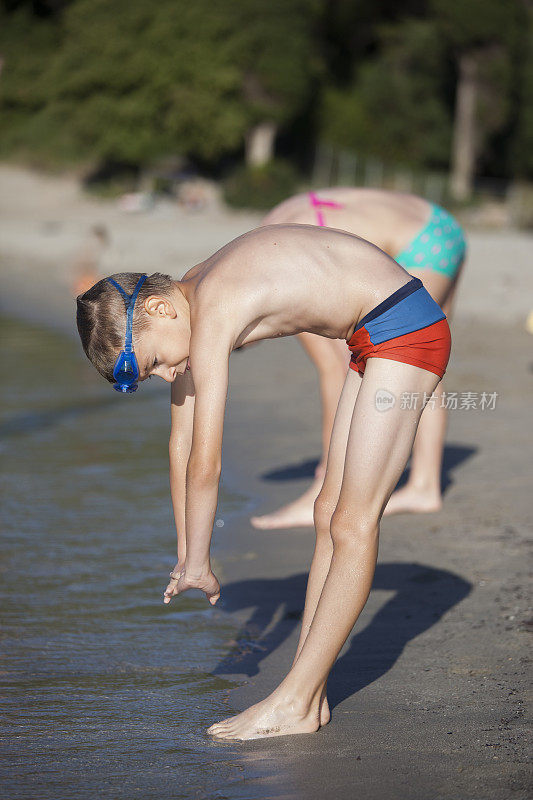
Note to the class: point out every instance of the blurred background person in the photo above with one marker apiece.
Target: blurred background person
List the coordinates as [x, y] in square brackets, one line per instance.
[87, 261]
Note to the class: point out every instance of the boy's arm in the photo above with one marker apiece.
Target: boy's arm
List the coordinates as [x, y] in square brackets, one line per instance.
[209, 355]
[181, 422]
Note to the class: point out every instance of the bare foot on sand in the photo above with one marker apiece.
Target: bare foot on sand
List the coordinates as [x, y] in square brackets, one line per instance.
[272, 717]
[298, 514]
[408, 500]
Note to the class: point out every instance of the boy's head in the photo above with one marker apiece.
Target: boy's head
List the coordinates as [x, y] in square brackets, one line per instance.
[159, 345]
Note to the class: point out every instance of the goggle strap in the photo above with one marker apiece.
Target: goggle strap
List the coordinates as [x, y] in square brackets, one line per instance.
[130, 300]
[124, 294]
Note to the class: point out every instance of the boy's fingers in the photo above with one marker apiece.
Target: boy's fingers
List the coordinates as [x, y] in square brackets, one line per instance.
[170, 591]
[167, 597]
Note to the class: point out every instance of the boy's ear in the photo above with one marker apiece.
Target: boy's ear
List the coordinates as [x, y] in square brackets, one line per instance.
[159, 307]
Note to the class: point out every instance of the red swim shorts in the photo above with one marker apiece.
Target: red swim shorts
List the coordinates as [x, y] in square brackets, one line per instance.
[408, 327]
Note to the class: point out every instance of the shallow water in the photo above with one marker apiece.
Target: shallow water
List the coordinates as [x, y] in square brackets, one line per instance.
[107, 691]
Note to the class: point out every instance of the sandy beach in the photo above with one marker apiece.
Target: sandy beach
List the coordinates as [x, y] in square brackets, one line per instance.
[430, 693]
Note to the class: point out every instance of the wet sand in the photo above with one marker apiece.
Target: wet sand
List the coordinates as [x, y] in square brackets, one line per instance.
[429, 695]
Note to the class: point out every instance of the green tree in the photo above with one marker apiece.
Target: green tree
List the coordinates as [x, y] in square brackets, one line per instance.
[522, 155]
[279, 62]
[132, 79]
[482, 36]
[27, 46]
[395, 107]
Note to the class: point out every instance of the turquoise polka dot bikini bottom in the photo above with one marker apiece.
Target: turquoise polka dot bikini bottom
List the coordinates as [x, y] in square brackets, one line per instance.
[439, 246]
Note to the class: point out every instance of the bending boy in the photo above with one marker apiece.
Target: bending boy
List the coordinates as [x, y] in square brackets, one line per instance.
[279, 281]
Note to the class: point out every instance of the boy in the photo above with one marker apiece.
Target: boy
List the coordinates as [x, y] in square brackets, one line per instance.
[279, 281]
[428, 242]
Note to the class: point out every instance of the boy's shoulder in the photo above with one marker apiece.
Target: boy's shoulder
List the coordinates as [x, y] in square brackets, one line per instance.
[214, 304]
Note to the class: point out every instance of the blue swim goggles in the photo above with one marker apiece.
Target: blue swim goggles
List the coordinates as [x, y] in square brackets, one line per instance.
[126, 369]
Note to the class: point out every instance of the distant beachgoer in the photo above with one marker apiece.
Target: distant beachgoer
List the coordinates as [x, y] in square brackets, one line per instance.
[195, 194]
[87, 262]
[428, 242]
[275, 281]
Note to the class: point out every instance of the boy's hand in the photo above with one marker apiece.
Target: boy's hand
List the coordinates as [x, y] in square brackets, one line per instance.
[180, 581]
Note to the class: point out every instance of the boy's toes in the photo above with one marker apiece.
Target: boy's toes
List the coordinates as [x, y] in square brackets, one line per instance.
[227, 736]
[216, 725]
[219, 726]
[224, 732]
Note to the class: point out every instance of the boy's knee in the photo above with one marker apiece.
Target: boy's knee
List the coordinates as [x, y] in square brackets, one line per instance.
[354, 527]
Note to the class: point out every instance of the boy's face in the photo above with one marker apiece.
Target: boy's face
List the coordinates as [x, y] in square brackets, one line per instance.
[162, 348]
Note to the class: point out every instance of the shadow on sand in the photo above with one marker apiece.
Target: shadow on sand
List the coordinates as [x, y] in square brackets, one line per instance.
[422, 596]
[454, 456]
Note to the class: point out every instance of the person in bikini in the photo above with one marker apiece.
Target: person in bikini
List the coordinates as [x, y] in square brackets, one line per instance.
[428, 242]
[275, 281]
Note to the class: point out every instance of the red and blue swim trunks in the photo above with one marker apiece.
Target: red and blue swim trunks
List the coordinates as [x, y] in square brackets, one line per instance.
[409, 326]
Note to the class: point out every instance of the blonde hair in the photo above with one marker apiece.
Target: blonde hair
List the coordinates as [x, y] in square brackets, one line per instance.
[101, 316]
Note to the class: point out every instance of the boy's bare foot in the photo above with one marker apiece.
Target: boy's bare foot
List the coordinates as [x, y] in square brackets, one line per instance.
[408, 500]
[298, 514]
[271, 717]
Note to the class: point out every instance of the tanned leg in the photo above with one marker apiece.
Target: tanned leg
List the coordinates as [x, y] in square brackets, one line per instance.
[377, 450]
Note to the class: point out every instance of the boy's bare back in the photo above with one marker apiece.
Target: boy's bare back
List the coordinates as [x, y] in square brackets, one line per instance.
[283, 279]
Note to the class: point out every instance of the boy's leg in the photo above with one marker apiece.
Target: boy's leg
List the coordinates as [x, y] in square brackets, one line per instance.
[327, 500]
[378, 447]
[423, 493]
[323, 511]
[330, 357]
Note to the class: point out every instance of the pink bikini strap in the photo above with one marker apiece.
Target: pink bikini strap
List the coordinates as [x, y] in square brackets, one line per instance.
[317, 203]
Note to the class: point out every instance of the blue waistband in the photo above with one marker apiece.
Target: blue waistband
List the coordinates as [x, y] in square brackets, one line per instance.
[409, 309]
[404, 291]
